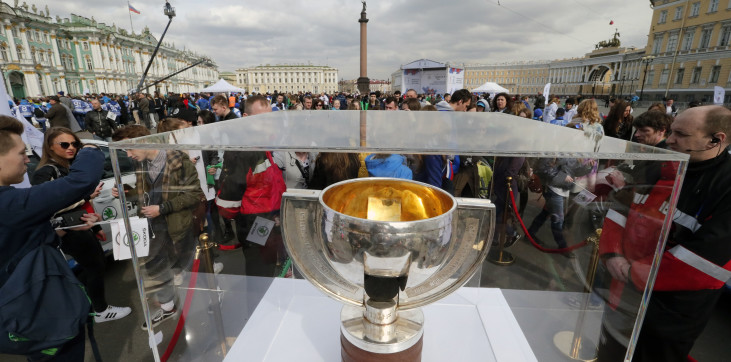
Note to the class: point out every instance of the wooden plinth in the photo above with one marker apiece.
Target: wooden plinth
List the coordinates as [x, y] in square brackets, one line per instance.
[351, 353]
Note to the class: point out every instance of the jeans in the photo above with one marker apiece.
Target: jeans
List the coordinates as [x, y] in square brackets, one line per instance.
[554, 207]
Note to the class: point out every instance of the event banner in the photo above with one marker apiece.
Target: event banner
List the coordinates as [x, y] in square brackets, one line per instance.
[425, 81]
[455, 80]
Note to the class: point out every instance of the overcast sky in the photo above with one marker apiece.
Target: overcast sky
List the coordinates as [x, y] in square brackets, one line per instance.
[241, 33]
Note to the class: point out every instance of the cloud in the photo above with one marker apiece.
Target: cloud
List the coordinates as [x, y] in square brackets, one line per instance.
[248, 33]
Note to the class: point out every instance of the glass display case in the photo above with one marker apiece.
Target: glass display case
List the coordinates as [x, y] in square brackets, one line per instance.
[544, 291]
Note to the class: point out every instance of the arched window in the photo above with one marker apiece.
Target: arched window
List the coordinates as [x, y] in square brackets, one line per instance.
[89, 64]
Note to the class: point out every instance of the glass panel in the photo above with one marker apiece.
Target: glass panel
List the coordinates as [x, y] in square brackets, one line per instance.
[534, 291]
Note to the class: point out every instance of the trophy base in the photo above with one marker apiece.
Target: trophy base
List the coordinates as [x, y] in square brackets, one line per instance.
[350, 353]
[362, 340]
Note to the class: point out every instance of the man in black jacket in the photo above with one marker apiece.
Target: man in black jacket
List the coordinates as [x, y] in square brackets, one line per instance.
[100, 123]
[697, 258]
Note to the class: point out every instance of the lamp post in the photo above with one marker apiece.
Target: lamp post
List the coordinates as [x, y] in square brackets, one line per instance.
[169, 11]
[647, 60]
[621, 87]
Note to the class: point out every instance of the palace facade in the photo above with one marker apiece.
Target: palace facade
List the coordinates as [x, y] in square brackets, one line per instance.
[41, 55]
[288, 78]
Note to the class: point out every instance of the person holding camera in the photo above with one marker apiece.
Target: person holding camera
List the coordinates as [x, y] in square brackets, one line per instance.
[54, 308]
[60, 148]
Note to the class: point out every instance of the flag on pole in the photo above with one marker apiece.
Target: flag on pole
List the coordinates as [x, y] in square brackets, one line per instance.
[718, 95]
[132, 9]
[611, 22]
[547, 92]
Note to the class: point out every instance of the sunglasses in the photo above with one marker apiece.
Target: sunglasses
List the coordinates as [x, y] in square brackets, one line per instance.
[66, 145]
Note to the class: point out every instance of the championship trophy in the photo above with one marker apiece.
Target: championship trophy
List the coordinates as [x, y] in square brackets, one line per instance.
[385, 247]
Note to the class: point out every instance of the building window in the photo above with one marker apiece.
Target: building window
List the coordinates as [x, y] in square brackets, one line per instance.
[696, 77]
[15, 32]
[705, 38]
[713, 6]
[672, 43]
[725, 36]
[664, 76]
[679, 76]
[688, 39]
[85, 45]
[663, 17]
[715, 72]
[695, 9]
[657, 43]
[678, 13]
[650, 77]
[89, 64]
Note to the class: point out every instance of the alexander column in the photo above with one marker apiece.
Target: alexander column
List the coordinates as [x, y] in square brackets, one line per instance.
[363, 81]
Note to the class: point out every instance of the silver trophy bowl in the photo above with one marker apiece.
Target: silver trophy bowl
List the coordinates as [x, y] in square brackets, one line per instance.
[385, 247]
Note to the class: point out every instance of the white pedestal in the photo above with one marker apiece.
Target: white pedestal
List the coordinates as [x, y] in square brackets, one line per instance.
[296, 322]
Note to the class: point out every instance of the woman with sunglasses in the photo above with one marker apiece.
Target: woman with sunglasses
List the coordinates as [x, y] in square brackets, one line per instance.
[60, 147]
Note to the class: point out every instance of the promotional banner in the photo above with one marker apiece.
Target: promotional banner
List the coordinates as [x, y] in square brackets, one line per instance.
[425, 81]
[141, 236]
[719, 94]
[455, 80]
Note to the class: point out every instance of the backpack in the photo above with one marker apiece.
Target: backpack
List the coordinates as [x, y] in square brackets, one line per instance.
[485, 173]
[42, 304]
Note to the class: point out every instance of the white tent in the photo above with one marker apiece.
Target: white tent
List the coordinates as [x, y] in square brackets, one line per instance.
[222, 86]
[490, 87]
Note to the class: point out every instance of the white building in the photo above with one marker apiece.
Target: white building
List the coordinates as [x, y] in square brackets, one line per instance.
[42, 56]
[288, 78]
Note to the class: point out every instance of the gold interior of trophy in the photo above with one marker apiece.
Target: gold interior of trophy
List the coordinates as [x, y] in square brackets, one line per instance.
[387, 200]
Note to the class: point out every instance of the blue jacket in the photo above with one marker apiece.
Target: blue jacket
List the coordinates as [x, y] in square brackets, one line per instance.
[25, 214]
[432, 171]
[392, 166]
[203, 104]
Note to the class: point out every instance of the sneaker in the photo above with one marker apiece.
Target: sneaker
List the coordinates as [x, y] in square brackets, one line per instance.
[112, 313]
[217, 267]
[160, 316]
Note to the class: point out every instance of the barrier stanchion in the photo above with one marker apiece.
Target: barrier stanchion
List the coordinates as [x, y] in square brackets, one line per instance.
[502, 256]
[572, 343]
[202, 257]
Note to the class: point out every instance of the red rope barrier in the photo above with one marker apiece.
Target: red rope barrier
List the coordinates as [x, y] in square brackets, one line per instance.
[530, 238]
[229, 247]
[186, 307]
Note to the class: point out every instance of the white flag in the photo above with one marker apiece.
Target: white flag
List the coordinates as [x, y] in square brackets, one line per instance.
[547, 92]
[718, 95]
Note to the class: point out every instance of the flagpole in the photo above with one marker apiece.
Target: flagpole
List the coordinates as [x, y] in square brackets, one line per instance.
[130, 17]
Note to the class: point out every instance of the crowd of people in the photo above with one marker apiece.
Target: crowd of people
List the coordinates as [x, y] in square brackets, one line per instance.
[184, 194]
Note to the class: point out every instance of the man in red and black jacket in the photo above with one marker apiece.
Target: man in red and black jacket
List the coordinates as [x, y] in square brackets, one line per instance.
[696, 261]
[251, 187]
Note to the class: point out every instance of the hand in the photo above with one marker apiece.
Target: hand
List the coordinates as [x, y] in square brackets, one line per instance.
[212, 171]
[151, 212]
[619, 268]
[115, 192]
[89, 220]
[569, 178]
[97, 191]
[101, 235]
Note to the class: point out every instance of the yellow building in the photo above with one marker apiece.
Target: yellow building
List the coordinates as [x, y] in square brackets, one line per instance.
[689, 40]
[686, 56]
